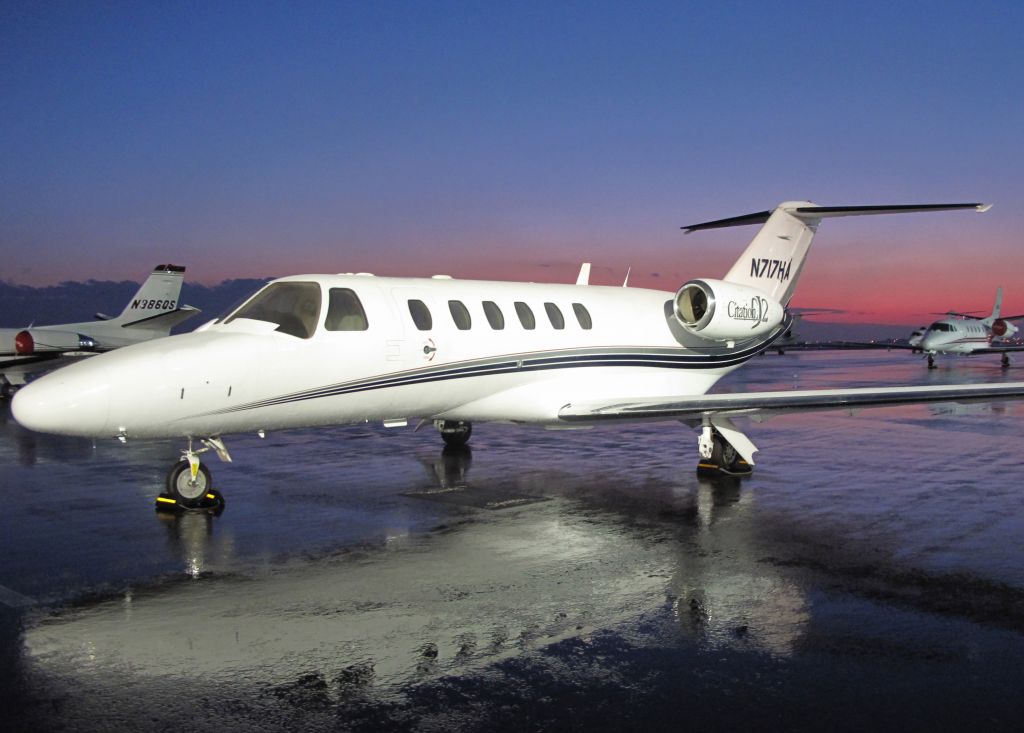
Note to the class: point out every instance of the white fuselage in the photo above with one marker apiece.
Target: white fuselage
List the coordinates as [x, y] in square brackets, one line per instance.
[958, 336]
[240, 374]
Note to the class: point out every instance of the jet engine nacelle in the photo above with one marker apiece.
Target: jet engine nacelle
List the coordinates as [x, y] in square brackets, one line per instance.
[724, 311]
[37, 340]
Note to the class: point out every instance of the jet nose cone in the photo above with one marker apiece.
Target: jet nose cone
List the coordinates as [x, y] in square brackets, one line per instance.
[61, 404]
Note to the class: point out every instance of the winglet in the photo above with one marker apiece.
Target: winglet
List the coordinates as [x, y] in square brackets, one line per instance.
[982, 208]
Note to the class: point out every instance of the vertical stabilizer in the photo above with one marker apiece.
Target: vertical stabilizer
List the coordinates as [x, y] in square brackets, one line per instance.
[774, 258]
[997, 308]
[158, 295]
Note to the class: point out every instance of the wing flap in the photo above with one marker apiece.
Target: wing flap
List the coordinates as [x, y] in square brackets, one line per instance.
[759, 404]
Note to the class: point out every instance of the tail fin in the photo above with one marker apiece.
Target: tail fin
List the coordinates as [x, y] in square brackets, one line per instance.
[997, 308]
[157, 297]
[773, 260]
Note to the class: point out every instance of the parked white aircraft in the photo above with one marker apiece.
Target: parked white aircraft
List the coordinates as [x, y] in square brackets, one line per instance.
[313, 350]
[150, 313]
[966, 333]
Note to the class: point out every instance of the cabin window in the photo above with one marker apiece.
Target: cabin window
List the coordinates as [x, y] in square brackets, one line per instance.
[494, 315]
[555, 316]
[525, 316]
[293, 306]
[460, 314]
[420, 315]
[583, 316]
[345, 312]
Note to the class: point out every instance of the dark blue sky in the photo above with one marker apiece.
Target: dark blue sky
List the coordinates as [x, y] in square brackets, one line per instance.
[511, 140]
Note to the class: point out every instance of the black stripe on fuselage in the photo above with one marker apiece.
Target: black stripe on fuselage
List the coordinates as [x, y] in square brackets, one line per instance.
[510, 364]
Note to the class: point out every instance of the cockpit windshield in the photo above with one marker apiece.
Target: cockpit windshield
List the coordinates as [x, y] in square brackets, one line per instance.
[293, 306]
[940, 326]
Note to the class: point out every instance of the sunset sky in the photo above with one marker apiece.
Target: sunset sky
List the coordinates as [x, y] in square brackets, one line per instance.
[514, 140]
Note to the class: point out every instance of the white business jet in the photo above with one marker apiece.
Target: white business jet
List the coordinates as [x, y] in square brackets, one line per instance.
[150, 313]
[966, 333]
[313, 350]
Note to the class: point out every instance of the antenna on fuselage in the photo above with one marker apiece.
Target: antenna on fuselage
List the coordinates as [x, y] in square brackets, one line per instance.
[625, 283]
[584, 277]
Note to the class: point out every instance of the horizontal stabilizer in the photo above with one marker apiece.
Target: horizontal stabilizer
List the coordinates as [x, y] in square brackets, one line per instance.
[164, 321]
[821, 212]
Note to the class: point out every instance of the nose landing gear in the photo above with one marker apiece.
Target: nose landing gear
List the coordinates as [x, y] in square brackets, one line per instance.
[189, 481]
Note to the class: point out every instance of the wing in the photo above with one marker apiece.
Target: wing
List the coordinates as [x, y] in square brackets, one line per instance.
[12, 364]
[764, 404]
[995, 350]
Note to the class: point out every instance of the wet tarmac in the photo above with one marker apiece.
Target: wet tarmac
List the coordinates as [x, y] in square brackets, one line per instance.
[869, 575]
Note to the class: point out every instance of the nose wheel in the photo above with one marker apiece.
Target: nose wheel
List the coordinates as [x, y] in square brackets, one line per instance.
[189, 482]
[188, 490]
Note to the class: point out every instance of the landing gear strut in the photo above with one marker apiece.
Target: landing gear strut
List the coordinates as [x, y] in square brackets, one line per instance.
[455, 433]
[931, 361]
[717, 455]
[1006, 360]
[189, 483]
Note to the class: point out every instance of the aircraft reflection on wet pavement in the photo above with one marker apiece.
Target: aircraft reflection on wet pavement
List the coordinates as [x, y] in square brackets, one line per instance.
[447, 602]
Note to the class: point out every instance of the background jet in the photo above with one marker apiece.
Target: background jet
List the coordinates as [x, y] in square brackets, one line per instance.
[966, 333]
[150, 314]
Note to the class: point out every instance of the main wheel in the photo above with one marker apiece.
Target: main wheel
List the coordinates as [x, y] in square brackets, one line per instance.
[724, 459]
[186, 491]
[455, 433]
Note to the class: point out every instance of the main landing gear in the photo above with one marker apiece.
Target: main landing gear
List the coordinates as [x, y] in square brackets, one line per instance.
[718, 456]
[1005, 363]
[931, 361]
[455, 433]
[189, 485]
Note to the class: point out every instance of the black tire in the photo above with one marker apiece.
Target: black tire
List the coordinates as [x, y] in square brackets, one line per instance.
[727, 459]
[456, 435]
[183, 490]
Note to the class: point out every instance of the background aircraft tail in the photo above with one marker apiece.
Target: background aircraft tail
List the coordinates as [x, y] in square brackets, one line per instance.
[155, 306]
[997, 308]
[773, 260]
[998, 324]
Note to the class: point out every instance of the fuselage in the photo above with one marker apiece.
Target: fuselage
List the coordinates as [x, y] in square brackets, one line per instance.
[954, 336]
[342, 349]
[961, 336]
